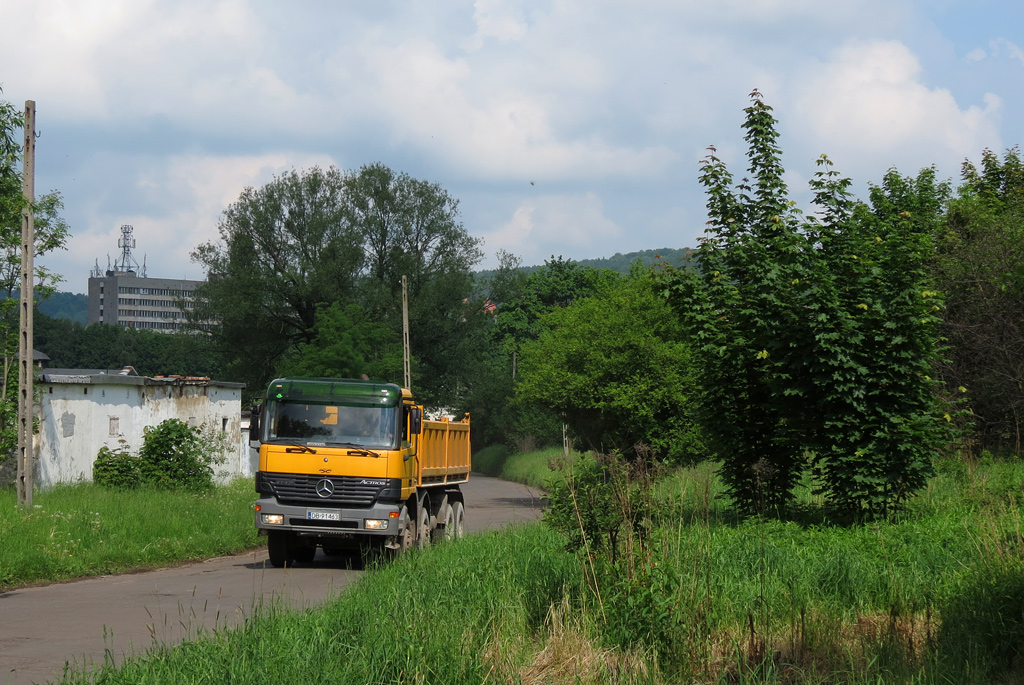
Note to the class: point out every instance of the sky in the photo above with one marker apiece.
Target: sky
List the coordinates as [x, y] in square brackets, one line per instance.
[570, 128]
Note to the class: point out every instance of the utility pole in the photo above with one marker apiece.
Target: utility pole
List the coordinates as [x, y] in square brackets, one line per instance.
[406, 364]
[25, 390]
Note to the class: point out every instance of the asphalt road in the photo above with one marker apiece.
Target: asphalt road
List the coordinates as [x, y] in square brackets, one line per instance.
[43, 628]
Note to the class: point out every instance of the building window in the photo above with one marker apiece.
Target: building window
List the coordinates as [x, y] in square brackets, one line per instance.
[115, 426]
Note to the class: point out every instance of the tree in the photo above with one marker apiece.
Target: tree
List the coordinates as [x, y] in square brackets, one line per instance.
[51, 232]
[284, 249]
[290, 251]
[613, 367]
[978, 265]
[71, 345]
[817, 335]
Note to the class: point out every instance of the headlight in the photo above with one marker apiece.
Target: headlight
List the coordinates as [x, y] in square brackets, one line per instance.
[273, 519]
[375, 524]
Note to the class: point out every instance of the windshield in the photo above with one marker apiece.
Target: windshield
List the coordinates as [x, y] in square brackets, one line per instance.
[324, 424]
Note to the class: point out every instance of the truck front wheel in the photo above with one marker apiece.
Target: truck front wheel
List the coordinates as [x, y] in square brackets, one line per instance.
[423, 529]
[304, 555]
[279, 546]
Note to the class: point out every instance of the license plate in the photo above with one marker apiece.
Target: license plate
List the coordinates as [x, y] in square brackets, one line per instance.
[323, 515]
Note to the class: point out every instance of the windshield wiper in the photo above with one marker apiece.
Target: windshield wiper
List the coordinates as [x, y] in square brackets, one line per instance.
[296, 446]
[356, 449]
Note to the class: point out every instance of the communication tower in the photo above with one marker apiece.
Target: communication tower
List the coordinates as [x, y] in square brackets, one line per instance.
[127, 263]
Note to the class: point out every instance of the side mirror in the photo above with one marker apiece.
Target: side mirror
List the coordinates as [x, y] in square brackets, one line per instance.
[415, 420]
[255, 422]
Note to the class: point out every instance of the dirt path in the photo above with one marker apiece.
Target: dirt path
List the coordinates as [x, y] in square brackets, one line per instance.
[42, 628]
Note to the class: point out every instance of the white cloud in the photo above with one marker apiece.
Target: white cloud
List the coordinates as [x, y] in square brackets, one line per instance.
[437, 102]
[1001, 46]
[868, 103]
[186, 196]
[496, 19]
[976, 55]
[568, 225]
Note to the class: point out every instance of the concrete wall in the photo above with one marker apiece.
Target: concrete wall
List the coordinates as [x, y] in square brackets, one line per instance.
[81, 414]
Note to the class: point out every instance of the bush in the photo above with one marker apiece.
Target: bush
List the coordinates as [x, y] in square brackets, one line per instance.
[490, 460]
[117, 468]
[173, 455]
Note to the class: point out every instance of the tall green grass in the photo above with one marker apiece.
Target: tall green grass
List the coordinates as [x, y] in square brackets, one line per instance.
[460, 613]
[935, 595]
[84, 529]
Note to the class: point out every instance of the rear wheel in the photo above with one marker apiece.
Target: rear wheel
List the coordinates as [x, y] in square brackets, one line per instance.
[279, 546]
[445, 525]
[458, 521]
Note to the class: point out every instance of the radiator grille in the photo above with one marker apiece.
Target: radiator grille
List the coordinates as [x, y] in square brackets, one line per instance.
[348, 491]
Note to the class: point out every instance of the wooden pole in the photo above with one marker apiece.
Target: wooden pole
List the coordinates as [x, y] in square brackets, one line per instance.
[406, 363]
[25, 390]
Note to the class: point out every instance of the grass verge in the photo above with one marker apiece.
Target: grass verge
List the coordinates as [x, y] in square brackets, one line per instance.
[84, 530]
[469, 612]
[529, 468]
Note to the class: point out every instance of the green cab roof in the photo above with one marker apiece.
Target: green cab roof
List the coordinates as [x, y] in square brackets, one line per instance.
[334, 391]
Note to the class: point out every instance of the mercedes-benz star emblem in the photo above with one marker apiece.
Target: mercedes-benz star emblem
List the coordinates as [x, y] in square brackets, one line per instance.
[324, 487]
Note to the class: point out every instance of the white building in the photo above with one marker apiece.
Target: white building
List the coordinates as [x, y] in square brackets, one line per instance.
[84, 410]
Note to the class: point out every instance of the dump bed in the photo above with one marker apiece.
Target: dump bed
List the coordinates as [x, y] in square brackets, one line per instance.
[443, 453]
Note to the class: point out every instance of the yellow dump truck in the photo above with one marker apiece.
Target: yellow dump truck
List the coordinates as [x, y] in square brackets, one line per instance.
[348, 464]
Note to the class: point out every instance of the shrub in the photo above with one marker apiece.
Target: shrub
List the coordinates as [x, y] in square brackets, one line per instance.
[173, 455]
[117, 468]
[490, 460]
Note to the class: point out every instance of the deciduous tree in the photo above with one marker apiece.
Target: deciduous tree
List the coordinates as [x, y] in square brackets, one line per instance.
[613, 366]
[979, 265]
[817, 336]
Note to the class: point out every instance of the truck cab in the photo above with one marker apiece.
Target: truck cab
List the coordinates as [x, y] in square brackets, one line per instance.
[351, 464]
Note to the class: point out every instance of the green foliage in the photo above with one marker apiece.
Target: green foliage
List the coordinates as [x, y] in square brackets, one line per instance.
[491, 459]
[597, 499]
[174, 455]
[73, 346]
[818, 335]
[978, 266]
[612, 366]
[342, 342]
[71, 306]
[51, 233]
[506, 318]
[117, 468]
[313, 262]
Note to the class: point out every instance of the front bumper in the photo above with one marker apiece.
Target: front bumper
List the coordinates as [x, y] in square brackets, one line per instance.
[350, 521]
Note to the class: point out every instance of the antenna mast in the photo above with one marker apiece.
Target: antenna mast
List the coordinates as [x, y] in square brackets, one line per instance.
[127, 263]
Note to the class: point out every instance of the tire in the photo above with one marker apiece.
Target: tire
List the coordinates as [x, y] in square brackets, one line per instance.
[458, 521]
[423, 529]
[303, 554]
[445, 525]
[279, 546]
[407, 536]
